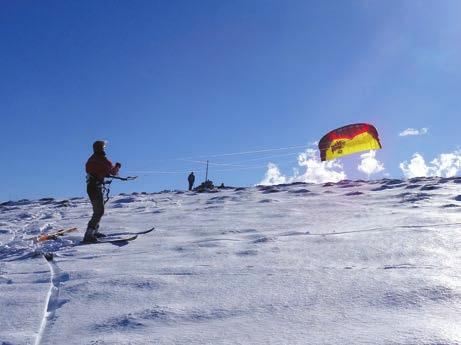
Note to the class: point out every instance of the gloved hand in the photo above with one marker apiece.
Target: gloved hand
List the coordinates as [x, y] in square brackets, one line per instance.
[118, 165]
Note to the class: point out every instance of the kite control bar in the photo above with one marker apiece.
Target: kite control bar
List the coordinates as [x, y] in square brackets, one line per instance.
[128, 178]
[106, 189]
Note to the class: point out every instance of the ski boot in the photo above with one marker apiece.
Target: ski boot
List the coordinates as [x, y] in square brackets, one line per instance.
[90, 236]
[98, 234]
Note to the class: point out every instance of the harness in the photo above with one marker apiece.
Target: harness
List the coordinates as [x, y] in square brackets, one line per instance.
[105, 184]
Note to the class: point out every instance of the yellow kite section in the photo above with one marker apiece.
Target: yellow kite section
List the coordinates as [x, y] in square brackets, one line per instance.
[342, 147]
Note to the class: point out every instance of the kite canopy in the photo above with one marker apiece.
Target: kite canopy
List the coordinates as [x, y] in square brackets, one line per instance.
[347, 140]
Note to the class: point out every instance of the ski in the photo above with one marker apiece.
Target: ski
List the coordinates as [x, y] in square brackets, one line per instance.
[52, 235]
[145, 231]
[120, 237]
[109, 238]
[114, 240]
[130, 233]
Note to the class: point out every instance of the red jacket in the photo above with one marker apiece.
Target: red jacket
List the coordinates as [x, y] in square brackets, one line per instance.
[99, 166]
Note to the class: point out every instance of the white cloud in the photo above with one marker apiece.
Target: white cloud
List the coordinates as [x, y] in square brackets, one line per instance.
[273, 176]
[369, 164]
[316, 171]
[411, 132]
[416, 168]
[445, 165]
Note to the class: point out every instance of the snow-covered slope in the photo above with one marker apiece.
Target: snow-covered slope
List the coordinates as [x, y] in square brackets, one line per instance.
[349, 263]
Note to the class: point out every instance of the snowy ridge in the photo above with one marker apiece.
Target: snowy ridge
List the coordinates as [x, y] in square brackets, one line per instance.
[362, 262]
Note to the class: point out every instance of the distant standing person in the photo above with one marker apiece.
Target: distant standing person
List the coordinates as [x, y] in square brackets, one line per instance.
[97, 168]
[191, 180]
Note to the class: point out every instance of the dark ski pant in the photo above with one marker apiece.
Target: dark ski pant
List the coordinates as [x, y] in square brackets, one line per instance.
[97, 200]
[191, 184]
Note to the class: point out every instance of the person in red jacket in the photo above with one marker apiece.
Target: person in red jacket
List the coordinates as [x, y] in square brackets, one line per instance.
[97, 168]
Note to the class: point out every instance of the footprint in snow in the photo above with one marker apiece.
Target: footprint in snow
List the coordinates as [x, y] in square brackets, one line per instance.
[299, 191]
[412, 186]
[265, 201]
[430, 187]
[353, 193]
[248, 252]
[449, 206]
[263, 239]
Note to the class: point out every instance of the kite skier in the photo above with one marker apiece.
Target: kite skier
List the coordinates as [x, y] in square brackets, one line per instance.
[97, 168]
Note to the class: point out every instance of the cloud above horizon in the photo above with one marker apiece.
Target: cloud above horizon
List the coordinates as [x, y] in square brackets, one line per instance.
[445, 165]
[413, 132]
[316, 171]
[273, 176]
[369, 164]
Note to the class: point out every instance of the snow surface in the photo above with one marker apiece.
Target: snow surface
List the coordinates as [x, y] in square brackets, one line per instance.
[348, 263]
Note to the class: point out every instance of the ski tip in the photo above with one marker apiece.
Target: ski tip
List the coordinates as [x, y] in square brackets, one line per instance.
[48, 256]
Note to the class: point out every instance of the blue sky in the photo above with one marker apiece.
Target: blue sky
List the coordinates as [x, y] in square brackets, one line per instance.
[167, 80]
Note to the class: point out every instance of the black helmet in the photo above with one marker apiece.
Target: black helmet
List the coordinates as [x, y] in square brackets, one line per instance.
[99, 145]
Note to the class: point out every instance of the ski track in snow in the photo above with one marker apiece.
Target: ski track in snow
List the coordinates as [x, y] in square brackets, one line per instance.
[52, 299]
[362, 262]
